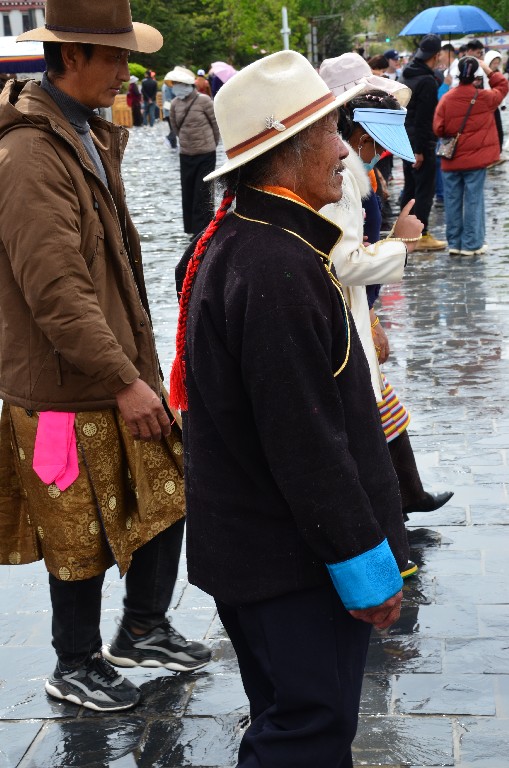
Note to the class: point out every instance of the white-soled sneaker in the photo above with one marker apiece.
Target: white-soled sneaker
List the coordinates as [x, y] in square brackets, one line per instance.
[163, 646]
[94, 684]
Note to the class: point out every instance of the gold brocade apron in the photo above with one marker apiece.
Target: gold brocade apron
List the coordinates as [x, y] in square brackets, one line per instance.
[127, 492]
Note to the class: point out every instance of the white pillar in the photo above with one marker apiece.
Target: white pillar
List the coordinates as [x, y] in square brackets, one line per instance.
[286, 31]
[39, 17]
[16, 23]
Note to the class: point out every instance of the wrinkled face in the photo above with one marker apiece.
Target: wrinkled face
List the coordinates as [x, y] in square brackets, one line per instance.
[321, 180]
[99, 80]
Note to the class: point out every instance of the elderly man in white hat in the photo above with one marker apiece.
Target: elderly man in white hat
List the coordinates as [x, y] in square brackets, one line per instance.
[85, 479]
[294, 514]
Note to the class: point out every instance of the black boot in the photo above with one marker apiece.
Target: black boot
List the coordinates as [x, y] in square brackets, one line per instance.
[429, 503]
[413, 496]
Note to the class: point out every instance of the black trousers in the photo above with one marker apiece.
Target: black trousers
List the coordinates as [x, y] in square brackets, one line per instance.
[197, 204]
[150, 581]
[301, 657]
[420, 184]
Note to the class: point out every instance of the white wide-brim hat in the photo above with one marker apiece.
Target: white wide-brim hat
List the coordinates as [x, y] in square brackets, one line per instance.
[96, 22]
[349, 69]
[181, 75]
[267, 103]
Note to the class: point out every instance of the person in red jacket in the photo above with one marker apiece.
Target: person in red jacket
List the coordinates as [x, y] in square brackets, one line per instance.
[477, 147]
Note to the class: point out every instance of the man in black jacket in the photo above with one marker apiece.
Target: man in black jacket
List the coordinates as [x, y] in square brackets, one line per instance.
[420, 176]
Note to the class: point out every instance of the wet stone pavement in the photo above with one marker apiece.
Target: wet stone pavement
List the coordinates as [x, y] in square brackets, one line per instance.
[436, 690]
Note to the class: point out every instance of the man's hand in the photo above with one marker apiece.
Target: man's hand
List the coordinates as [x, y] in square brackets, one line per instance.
[381, 616]
[419, 159]
[143, 412]
[408, 225]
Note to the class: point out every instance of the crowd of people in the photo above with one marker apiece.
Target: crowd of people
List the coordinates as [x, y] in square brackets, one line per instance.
[458, 95]
[435, 69]
[280, 440]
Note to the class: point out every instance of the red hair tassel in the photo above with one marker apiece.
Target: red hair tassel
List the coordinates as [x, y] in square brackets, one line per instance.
[178, 392]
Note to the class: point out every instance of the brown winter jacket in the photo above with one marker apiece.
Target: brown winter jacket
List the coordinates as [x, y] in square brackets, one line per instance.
[74, 322]
[198, 132]
[478, 145]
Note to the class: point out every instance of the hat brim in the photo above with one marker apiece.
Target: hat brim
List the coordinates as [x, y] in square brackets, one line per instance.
[180, 77]
[274, 141]
[143, 38]
[400, 92]
[393, 138]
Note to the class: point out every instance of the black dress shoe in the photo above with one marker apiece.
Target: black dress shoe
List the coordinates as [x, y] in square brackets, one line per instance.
[429, 502]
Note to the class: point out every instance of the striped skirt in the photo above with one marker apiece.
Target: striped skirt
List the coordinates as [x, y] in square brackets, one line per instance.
[395, 417]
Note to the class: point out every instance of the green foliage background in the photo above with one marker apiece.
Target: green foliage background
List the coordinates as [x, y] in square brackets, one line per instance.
[197, 32]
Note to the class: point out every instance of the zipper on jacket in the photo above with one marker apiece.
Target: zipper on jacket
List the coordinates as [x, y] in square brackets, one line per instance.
[58, 367]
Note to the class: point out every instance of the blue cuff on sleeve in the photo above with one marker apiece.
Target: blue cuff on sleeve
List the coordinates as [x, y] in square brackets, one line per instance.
[368, 579]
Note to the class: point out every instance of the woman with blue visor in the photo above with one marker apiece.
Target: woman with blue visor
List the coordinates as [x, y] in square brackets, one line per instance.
[370, 123]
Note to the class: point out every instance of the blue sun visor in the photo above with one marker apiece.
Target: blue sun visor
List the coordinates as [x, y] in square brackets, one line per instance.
[387, 128]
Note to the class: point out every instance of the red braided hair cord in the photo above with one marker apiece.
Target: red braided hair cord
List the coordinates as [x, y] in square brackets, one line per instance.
[178, 392]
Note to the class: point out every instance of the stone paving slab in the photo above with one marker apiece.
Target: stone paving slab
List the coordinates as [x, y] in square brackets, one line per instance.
[436, 690]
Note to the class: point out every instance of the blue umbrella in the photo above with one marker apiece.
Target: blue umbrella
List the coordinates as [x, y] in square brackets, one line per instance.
[451, 20]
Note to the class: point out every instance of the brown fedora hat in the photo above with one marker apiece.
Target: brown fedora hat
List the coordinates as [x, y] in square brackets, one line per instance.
[100, 22]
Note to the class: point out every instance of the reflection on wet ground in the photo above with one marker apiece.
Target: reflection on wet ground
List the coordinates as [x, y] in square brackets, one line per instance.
[436, 690]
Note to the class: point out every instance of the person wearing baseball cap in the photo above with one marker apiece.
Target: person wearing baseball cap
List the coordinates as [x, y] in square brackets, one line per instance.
[294, 518]
[420, 175]
[392, 57]
[92, 483]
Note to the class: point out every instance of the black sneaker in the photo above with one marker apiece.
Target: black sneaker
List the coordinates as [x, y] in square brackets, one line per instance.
[162, 647]
[94, 684]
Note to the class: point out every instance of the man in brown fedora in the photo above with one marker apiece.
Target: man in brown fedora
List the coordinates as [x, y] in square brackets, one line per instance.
[86, 480]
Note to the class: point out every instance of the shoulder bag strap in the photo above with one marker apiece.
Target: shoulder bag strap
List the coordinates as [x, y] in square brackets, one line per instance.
[472, 102]
[179, 126]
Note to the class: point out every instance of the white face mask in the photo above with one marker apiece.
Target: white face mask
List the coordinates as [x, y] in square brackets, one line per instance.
[181, 90]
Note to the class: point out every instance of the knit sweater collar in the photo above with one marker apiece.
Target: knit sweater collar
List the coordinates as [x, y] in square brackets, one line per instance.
[294, 217]
[77, 113]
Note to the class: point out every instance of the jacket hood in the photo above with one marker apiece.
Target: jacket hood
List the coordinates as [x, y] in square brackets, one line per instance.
[24, 103]
[416, 68]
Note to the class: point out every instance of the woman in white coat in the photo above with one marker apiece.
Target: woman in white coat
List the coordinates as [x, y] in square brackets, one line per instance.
[372, 122]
